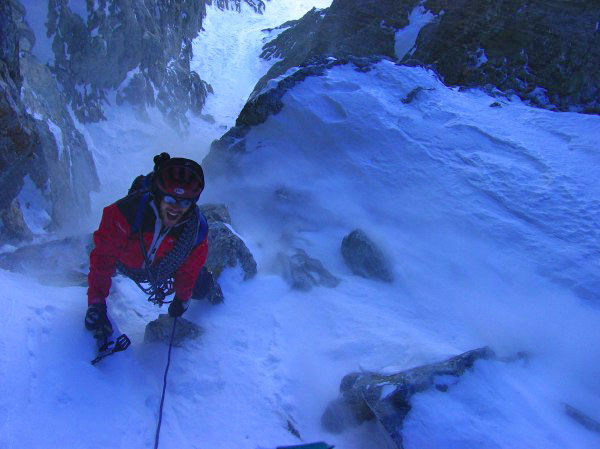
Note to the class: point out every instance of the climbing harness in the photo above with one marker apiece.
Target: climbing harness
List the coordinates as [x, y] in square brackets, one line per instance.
[162, 399]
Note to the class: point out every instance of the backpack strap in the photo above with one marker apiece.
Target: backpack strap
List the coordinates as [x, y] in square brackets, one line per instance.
[143, 183]
[202, 227]
[139, 213]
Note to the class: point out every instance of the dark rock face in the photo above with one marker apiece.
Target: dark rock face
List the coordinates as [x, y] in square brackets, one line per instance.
[257, 5]
[9, 45]
[542, 51]
[225, 249]
[48, 148]
[364, 258]
[18, 137]
[142, 49]
[367, 395]
[13, 224]
[304, 272]
[347, 30]
[64, 166]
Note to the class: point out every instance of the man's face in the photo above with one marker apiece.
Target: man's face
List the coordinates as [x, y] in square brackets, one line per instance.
[171, 212]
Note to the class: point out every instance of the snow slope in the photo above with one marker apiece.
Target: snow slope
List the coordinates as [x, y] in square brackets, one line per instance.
[489, 216]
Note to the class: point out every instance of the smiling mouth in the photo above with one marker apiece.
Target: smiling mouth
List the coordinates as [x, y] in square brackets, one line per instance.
[173, 215]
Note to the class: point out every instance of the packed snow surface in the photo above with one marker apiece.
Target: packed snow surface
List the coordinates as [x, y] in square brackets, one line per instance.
[489, 216]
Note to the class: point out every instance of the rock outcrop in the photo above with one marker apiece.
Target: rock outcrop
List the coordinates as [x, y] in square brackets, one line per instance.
[257, 5]
[386, 397]
[141, 50]
[18, 136]
[64, 168]
[304, 272]
[364, 258]
[228, 250]
[504, 47]
[545, 53]
[39, 138]
[13, 223]
[159, 330]
[225, 249]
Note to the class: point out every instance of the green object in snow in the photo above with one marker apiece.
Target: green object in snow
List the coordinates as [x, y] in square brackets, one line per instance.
[319, 445]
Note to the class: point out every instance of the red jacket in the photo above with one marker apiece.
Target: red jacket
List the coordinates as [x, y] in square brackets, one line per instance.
[115, 240]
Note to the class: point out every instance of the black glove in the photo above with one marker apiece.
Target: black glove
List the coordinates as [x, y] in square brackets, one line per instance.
[97, 321]
[177, 307]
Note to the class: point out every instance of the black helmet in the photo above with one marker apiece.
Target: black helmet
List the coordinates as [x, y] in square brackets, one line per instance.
[178, 177]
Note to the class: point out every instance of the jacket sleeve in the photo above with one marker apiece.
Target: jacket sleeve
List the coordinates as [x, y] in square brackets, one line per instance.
[109, 240]
[186, 275]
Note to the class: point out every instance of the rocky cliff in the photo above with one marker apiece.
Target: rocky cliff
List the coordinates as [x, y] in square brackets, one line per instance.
[546, 52]
[257, 5]
[44, 158]
[18, 138]
[138, 50]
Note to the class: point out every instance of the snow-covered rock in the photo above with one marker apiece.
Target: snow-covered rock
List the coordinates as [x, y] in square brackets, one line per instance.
[387, 397]
[549, 62]
[227, 250]
[257, 5]
[304, 272]
[141, 51]
[215, 212]
[42, 141]
[13, 224]
[364, 257]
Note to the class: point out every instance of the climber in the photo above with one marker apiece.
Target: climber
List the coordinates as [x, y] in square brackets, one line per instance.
[156, 236]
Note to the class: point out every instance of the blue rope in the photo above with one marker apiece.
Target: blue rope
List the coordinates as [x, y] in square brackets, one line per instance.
[162, 399]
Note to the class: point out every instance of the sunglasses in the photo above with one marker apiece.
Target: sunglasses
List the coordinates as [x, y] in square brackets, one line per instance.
[180, 202]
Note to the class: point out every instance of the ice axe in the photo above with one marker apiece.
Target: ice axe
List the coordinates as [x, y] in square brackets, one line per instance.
[122, 342]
